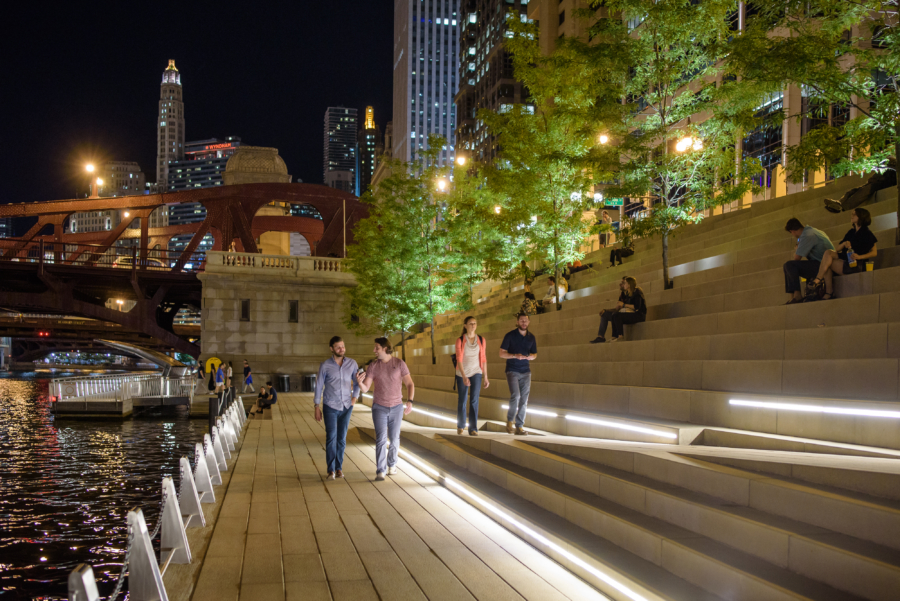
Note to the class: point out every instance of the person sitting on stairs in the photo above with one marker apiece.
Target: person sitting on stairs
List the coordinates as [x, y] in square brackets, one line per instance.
[634, 309]
[606, 314]
[267, 397]
[861, 194]
[811, 245]
[860, 240]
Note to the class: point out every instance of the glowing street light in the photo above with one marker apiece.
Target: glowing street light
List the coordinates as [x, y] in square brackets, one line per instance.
[603, 138]
[442, 184]
[99, 182]
[120, 302]
[89, 168]
[127, 213]
[497, 209]
[688, 143]
[460, 160]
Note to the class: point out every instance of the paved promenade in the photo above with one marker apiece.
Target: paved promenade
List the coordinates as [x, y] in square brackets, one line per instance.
[284, 532]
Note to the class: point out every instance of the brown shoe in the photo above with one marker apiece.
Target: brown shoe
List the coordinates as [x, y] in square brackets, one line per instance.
[521, 432]
[339, 474]
[459, 430]
[510, 427]
[473, 432]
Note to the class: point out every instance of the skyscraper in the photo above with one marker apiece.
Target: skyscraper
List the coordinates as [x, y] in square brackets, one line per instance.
[340, 148]
[367, 143]
[486, 78]
[202, 167]
[170, 132]
[426, 59]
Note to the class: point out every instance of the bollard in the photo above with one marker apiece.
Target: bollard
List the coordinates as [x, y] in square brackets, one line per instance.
[144, 580]
[202, 478]
[227, 435]
[189, 500]
[212, 462]
[82, 585]
[173, 539]
[217, 449]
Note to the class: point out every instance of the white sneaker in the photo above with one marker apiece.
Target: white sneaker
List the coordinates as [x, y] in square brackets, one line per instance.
[379, 476]
[393, 471]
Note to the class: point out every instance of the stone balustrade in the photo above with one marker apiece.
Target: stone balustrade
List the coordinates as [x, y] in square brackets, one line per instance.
[281, 265]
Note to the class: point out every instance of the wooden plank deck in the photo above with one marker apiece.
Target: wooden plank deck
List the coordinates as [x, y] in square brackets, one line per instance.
[286, 533]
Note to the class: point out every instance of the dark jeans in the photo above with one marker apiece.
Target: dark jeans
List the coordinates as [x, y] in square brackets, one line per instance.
[880, 181]
[519, 387]
[336, 423]
[616, 254]
[620, 319]
[474, 390]
[604, 321]
[793, 270]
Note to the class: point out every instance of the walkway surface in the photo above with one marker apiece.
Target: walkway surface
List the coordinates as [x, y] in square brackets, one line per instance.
[284, 532]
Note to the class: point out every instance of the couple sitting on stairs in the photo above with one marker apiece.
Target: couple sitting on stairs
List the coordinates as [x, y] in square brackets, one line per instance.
[631, 308]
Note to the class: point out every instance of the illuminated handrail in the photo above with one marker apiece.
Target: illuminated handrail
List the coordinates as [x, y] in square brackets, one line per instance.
[118, 388]
[217, 260]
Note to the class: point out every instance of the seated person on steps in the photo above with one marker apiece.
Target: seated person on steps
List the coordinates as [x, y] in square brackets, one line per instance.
[861, 194]
[267, 397]
[626, 250]
[606, 314]
[860, 240]
[811, 244]
[554, 292]
[634, 309]
[529, 305]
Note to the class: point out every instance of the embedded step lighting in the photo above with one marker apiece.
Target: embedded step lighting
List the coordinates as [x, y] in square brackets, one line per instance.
[524, 529]
[535, 411]
[816, 408]
[621, 426]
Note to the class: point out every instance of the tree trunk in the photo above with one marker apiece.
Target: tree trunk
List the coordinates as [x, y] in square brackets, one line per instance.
[897, 172]
[665, 258]
[403, 343]
[433, 356]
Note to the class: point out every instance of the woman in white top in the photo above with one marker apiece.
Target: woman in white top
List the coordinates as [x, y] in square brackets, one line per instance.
[229, 374]
[471, 371]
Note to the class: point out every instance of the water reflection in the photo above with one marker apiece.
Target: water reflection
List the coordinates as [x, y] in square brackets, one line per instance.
[67, 485]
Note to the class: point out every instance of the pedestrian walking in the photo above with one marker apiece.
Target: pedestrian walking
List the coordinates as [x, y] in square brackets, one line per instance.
[471, 371]
[220, 379]
[337, 387]
[229, 375]
[390, 374]
[518, 348]
[248, 377]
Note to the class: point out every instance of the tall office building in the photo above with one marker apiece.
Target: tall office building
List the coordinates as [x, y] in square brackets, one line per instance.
[486, 78]
[426, 67]
[170, 125]
[340, 148]
[367, 144]
[202, 167]
[6, 228]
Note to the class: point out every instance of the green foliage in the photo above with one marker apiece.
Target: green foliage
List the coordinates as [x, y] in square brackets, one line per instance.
[411, 256]
[825, 46]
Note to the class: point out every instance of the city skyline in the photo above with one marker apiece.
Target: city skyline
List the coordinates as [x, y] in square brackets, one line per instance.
[276, 102]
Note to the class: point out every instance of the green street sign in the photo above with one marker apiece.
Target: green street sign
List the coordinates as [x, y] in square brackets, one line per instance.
[614, 202]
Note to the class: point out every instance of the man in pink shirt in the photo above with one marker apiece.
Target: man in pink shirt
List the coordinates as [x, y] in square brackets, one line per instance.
[390, 374]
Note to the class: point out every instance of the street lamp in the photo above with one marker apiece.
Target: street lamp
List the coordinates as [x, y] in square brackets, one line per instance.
[95, 185]
[461, 160]
[497, 209]
[603, 138]
[89, 168]
[442, 184]
[120, 302]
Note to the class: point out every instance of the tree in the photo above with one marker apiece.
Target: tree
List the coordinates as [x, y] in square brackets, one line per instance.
[547, 165]
[408, 265]
[846, 56]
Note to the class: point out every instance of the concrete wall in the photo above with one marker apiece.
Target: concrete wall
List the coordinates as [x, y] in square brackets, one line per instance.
[268, 340]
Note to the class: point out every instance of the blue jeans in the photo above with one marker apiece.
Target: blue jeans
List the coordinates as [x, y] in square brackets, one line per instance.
[387, 422]
[519, 387]
[474, 390]
[336, 423]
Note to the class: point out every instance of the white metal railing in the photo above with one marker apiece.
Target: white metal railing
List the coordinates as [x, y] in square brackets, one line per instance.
[223, 261]
[179, 509]
[118, 388]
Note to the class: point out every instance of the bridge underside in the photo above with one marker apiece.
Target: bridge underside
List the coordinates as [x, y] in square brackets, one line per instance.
[83, 292]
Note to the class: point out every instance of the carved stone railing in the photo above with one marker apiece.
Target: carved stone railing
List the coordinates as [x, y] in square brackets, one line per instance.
[235, 262]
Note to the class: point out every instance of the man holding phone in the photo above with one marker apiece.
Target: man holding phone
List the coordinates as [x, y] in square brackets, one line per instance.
[337, 386]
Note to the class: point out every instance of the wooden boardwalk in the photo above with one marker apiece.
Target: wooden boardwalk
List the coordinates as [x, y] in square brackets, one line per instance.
[284, 532]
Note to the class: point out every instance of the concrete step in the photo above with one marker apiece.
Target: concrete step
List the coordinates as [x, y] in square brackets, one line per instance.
[865, 568]
[702, 561]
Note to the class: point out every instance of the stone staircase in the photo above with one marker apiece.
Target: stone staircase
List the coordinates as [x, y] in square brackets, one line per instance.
[731, 447]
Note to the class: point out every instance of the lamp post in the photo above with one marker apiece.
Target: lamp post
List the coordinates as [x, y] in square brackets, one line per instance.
[95, 183]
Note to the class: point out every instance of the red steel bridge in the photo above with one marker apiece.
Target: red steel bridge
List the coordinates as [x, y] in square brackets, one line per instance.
[48, 271]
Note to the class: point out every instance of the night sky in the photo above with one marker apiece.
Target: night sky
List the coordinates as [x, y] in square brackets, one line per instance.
[81, 81]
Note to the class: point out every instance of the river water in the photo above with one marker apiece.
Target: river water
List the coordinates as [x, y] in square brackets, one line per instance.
[67, 485]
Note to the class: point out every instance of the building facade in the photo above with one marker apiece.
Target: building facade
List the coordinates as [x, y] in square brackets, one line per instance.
[426, 67]
[170, 124]
[120, 178]
[367, 143]
[6, 228]
[486, 78]
[339, 161]
[203, 167]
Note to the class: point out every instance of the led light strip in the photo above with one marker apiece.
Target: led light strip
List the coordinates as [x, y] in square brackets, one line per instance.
[535, 411]
[816, 408]
[621, 426]
[434, 415]
[524, 529]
